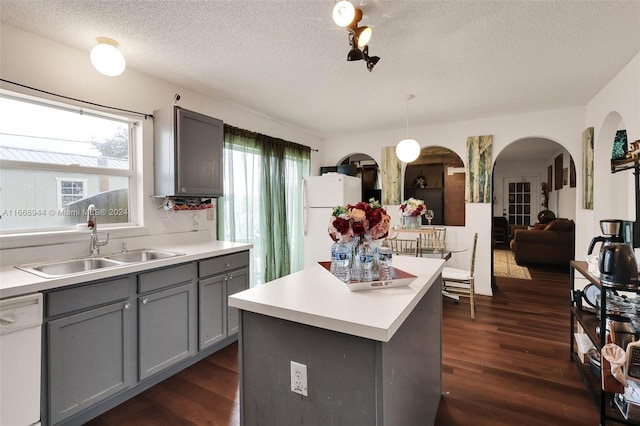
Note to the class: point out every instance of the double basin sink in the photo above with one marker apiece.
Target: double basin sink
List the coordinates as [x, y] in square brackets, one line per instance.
[88, 264]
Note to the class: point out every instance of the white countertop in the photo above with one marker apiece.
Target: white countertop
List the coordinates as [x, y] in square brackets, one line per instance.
[317, 298]
[15, 282]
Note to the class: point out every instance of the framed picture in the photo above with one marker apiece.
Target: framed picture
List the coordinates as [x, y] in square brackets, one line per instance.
[572, 173]
[565, 176]
[558, 175]
[550, 178]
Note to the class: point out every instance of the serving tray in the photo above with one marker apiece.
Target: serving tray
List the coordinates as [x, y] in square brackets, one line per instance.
[400, 279]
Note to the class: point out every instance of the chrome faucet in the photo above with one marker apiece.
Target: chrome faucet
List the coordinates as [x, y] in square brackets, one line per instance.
[96, 243]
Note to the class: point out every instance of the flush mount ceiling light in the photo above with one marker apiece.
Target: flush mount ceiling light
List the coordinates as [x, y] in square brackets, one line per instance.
[106, 58]
[346, 15]
[407, 149]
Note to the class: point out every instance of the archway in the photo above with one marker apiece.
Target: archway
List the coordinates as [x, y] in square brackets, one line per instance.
[522, 171]
[362, 166]
[437, 176]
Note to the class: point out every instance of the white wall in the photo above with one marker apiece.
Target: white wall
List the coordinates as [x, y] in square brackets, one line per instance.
[33, 61]
[614, 107]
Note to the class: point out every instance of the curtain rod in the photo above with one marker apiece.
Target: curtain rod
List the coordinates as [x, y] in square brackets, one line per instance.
[78, 100]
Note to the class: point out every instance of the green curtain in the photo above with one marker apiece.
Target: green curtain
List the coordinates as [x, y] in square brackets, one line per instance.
[262, 203]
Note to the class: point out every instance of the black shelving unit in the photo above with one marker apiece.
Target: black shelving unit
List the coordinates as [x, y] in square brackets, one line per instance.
[589, 323]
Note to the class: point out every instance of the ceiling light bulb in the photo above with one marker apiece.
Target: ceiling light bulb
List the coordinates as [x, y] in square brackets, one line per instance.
[363, 36]
[106, 57]
[407, 150]
[343, 13]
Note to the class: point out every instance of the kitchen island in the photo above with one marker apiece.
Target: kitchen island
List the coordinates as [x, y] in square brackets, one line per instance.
[372, 357]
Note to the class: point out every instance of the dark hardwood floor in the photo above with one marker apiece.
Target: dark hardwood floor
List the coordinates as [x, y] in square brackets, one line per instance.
[508, 367]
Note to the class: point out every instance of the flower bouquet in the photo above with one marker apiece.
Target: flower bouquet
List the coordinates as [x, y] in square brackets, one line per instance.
[363, 220]
[411, 211]
[356, 228]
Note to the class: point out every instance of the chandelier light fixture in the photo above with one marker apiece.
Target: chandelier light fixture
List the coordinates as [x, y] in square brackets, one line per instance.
[408, 149]
[106, 58]
[346, 15]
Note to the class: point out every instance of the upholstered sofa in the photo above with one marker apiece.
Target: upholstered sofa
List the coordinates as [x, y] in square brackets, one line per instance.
[552, 245]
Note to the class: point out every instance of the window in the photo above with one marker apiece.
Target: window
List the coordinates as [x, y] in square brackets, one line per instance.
[56, 160]
[70, 190]
[262, 201]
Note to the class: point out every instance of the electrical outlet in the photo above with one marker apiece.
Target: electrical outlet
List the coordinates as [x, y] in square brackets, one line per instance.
[196, 220]
[299, 378]
[209, 214]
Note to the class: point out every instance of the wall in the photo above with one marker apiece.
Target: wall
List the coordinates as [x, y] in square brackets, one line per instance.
[614, 107]
[34, 61]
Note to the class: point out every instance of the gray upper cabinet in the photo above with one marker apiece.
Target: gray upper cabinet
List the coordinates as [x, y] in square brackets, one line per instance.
[187, 153]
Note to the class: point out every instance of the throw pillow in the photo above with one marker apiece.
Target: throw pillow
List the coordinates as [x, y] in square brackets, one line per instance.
[539, 226]
[560, 224]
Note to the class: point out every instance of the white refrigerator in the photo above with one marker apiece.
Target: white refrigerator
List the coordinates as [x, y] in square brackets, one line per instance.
[320, 195]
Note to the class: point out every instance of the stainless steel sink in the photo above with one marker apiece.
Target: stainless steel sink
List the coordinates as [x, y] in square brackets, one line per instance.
[142, 255]
[79, 266]
[69, 267]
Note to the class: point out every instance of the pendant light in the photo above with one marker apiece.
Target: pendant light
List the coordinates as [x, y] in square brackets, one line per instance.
[407, 149]
[106, 57]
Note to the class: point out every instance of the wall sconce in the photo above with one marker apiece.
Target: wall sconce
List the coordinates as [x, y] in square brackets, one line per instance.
[407, 149]
[106, 58]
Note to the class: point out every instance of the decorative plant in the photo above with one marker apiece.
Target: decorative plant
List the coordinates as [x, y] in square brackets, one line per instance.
[362, 219]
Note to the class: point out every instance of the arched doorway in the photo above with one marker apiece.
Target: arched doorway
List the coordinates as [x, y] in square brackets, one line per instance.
[364, 167]
[530, 176]
[437, 177]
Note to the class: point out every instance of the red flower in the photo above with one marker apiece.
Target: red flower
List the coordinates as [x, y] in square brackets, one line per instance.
[375, 217]
[341, 225]
[358, 228]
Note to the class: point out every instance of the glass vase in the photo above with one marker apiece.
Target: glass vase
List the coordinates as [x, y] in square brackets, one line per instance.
[411, 222]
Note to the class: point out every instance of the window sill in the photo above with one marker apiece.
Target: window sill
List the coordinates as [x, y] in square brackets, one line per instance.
[35, 239]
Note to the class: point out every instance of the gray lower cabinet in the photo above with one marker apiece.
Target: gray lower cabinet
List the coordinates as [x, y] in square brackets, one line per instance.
[236, 282]
[216, 320]
[167, 328]
[90, 351]
[106, 341]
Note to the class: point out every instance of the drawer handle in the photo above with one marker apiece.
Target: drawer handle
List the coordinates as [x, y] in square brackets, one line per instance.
[226, 277]
[127, 305]
[230, 277]
[227, 264]
[145, 301]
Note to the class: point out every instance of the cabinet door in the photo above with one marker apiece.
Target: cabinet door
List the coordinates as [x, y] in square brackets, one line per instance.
[199, 152]
[90, 357]
[236, 282]
[213, 316]
[167, 328]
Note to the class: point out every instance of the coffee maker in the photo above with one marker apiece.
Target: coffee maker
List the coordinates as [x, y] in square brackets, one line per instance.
[612, 233]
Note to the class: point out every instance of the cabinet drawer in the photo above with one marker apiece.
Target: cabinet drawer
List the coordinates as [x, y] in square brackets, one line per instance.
[86, 296]
[166, 277]
[225, 263]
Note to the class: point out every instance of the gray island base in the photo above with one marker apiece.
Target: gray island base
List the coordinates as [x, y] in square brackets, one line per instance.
[372, 358]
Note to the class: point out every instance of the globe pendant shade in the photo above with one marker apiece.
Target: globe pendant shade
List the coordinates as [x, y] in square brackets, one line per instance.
[407, 150]
[106, 58]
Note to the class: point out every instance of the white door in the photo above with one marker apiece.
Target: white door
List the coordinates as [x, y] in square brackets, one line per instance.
[521, 199]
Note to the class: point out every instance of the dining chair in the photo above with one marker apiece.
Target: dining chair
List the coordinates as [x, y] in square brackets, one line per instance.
[406, 247]
[435, 237]
[460, 282]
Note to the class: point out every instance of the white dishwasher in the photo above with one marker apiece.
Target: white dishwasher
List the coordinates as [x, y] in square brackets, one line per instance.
[20, 358]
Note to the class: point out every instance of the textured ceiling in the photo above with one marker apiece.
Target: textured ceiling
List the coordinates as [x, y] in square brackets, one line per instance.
[286, 59]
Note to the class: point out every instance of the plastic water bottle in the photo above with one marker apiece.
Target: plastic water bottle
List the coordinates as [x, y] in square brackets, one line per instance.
[334, 249]
[385, 255]
[365, 256]
[343, 260]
